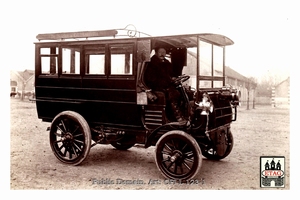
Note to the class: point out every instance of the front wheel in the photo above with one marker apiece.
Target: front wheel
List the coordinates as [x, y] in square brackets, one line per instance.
[70, 137]
[178, 156]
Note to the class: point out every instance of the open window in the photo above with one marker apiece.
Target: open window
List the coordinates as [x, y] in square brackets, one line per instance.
[49, 60]
[95, 60]
[121, 59]
[70, 60]
[55, 60]
[210, 62]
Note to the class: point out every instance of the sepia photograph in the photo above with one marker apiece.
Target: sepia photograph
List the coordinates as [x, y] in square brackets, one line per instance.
[173, 97]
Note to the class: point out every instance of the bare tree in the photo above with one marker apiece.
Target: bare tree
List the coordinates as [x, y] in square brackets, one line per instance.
[251, 84]
[264, 88]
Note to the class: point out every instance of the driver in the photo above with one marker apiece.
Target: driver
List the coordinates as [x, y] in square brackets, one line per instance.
[159, 76]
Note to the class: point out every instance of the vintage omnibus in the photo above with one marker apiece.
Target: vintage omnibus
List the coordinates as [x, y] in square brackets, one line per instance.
[90, 88]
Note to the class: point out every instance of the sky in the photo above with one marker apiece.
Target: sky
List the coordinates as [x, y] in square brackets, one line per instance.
[263, 31]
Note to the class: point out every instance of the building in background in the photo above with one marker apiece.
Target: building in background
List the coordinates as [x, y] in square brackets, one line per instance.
[246, 87]
[22, 83]
[281, 94]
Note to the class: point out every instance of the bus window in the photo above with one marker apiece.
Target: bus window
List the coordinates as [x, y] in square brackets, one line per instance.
[70, 61]
[218, 60]
[205, 84]
[218, 84]
[208, 84]
[191, 67]
[95, 64]
[49, 60]
[95, 60]
[205, 61]
[121, 59]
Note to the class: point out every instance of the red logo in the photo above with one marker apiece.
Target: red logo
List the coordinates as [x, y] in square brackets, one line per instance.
[272, 173]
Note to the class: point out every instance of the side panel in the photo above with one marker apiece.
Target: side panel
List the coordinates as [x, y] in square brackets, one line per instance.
[96, 79]
[114, 104]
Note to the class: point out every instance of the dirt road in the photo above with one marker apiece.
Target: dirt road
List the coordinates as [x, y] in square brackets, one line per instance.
[263, 131]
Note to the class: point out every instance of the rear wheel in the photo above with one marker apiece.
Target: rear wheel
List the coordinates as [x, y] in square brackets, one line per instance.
[221, 149]
[178, 156]
[70, 137]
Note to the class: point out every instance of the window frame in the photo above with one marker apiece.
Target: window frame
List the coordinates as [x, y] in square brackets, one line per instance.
[51, 54]
[85, 62]
[133, 62]
[79, 61]
[82, 63]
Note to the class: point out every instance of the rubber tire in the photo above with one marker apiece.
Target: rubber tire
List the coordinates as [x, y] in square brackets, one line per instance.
[77, 119]
[217, 157]
[193, 145]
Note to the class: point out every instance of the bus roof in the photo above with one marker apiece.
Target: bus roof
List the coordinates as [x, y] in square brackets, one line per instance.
[185, 40]
[190, 40]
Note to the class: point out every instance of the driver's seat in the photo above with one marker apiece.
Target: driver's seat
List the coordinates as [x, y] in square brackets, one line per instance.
[144, 66]
[160, 96]
[154, 112]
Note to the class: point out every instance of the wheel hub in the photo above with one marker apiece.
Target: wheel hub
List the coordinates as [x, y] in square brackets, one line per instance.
[67, 139]
[176, 157]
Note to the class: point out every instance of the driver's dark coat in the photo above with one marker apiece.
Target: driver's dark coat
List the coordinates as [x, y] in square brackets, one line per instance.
[158, 75]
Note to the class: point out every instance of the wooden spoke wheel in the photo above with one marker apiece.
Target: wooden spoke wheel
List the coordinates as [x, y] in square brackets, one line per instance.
[178, 156]
[70, 137]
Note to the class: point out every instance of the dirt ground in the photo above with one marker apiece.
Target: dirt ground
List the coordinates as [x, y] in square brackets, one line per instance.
[263, 131]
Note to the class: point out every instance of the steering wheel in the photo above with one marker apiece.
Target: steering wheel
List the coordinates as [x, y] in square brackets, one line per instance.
[180, 79]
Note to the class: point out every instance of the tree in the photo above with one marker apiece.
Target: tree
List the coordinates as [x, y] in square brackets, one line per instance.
[264, 88]
[251, 84]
